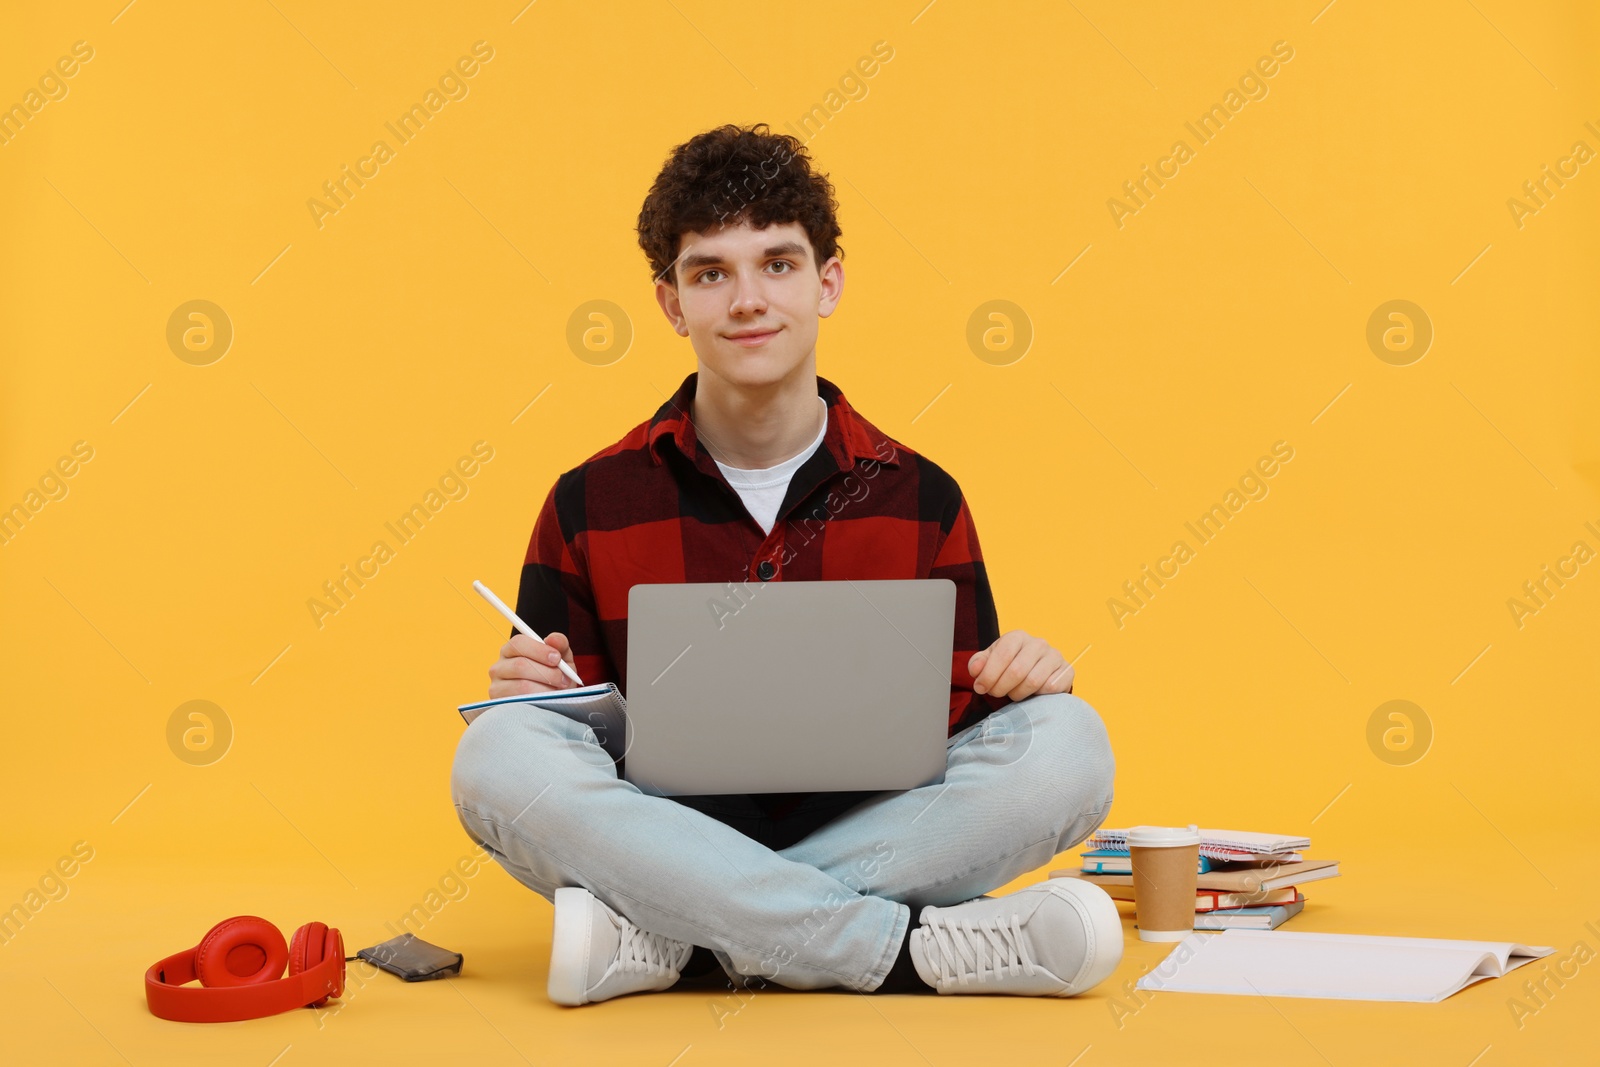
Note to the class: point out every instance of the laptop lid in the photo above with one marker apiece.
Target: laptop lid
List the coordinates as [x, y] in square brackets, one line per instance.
[788, 686]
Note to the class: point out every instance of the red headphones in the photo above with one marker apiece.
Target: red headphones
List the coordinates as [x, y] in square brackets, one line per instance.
[239, 963]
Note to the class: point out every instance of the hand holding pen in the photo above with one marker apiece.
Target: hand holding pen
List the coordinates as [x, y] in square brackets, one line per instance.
[528, 663]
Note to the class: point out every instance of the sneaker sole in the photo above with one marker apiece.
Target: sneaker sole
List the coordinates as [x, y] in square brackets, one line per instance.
[1103, 939]
[570, 945]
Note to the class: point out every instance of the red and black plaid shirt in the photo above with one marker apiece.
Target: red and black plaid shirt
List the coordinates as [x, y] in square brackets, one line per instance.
[654, 508]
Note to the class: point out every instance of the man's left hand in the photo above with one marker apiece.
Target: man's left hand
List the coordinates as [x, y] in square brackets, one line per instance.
[1019, 665]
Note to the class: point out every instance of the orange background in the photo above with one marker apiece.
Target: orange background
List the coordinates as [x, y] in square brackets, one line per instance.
[1166, 355]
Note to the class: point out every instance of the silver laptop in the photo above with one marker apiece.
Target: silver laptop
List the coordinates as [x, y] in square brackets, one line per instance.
[788, 686]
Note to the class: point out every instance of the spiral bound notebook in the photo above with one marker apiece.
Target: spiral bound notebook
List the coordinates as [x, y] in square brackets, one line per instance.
[600, 706]
[1218, 844]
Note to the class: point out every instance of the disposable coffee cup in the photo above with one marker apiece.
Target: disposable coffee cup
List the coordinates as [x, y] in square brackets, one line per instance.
[1166, 860]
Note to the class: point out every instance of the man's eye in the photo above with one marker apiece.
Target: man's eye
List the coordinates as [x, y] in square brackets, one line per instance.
[707, 275]
[784, 264]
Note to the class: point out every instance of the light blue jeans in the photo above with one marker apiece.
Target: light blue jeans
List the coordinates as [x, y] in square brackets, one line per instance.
[537, 791]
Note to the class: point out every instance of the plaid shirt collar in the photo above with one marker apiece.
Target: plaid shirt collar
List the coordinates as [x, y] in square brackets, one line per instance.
[849, 437]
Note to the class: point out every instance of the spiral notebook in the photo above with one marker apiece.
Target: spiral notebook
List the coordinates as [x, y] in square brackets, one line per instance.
[600, 706]
[1217, 844]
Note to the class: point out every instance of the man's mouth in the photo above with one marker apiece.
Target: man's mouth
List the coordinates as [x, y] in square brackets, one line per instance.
[753, 338]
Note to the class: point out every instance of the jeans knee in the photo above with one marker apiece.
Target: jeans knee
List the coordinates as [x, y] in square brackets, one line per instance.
[511, 753]
[1074, 748]
[479, 757]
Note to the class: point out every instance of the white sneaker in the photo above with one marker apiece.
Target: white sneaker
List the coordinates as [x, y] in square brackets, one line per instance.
[597, 954]
[1057, 938]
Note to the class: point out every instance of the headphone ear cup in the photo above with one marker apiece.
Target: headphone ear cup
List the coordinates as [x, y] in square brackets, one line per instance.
[305, 948]
[336, 949]
[243, 950]
[310, 947]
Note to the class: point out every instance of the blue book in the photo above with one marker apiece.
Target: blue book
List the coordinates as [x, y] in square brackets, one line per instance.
[1120, 861]
[1248, 918]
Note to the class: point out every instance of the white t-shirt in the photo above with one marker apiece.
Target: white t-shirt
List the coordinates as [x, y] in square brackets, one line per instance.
[763, 490]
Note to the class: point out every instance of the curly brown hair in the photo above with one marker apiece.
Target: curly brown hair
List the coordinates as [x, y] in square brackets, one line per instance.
[732, 175]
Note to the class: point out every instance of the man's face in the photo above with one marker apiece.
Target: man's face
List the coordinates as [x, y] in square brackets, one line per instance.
[749, 300]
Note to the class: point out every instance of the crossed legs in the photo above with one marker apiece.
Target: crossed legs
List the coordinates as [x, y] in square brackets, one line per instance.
[831, 910]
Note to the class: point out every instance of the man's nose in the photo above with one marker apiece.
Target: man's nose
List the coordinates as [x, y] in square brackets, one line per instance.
[747, 297]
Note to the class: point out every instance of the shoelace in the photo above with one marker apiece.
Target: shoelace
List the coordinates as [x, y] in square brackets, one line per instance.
[982, 951]
[651, 953]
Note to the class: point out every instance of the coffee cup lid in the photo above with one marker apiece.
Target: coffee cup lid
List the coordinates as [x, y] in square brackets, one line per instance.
[1163, 836]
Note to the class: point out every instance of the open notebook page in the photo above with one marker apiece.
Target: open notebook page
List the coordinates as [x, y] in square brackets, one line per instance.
[1334, 966]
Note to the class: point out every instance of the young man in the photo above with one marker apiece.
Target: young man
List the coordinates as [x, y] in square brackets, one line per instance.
[758, 470]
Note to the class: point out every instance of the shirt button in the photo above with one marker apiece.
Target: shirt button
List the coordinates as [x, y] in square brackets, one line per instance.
[766, 570]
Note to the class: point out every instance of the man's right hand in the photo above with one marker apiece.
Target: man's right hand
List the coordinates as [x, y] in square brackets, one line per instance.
[529, 666]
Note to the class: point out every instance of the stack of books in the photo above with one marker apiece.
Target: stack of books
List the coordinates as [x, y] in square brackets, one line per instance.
[1245, 880]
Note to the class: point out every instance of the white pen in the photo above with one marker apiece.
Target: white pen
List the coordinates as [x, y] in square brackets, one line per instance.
[500, 606]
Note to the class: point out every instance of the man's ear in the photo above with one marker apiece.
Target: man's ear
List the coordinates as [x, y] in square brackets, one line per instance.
[831, 280]
[671, 307]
